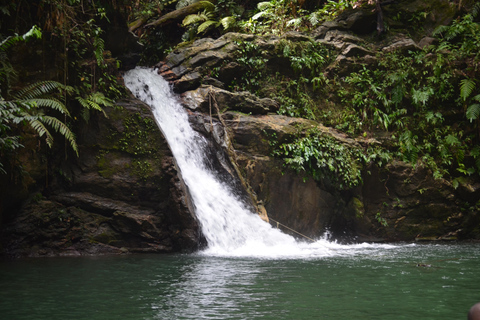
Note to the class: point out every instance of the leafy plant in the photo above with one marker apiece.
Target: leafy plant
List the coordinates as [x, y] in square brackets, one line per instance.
[276, 17]
[76, 29]
[29, 106]
[463, 35]
[381, 219]
[206, 20]
[467, 87]
[324, 158]
[254, 63]
[332, 8]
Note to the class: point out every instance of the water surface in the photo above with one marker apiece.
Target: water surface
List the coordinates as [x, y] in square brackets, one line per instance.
[358, 282]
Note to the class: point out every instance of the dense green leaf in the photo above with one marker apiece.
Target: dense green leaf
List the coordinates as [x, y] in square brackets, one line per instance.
[50, 103]
[38, 89]
[466, 88]
[61, 128]
[228, 22]
[207, 24]
[191, 19]
[473, 112]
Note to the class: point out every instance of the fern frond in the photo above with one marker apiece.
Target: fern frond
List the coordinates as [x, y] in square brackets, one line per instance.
[259, 15]
[421, 96]
[191, 19]
[476, 9]
[228, 22]
[90, 104]
[63, 129]
[99, 45]
[313, 19]
[9, 41]
[295, 22]
[33, 32]
[100, 99]
[8, 109]
[38, 89]
[207, 24]
[440, 30]
[451, 140]
[262, 6]
[25, 116]
[466, 88]
[473, 112]
[40, 128]
[50, 103]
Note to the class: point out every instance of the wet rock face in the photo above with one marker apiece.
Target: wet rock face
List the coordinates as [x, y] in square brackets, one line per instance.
[123, 194]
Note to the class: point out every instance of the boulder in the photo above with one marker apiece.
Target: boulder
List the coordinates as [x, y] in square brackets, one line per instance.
[401, 43]
[354, 50]
[205, 97]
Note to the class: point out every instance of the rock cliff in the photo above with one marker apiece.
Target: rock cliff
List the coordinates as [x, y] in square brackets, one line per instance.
[123, 194]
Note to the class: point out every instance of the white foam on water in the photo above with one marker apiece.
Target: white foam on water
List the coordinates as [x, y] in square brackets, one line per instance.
[230, 228]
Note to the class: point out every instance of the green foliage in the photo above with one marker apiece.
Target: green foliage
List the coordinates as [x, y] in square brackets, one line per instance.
[41, 104]
[332, 8]
[295, 84]
[377, 98]
[29, 105]
[254, 63]
[381, 219]
[307, 59]
[147, 8]
[135, 138]
[224, 14]
[206, 20]
[411, 100]
[324, 159]
[473, 111]
[410, 94]
[463, 35]
[94, 101]
[269, 18]
[276, 17]
[76, 29]
[279, 16]
[94, 66]
[467, 88]
[7, 73]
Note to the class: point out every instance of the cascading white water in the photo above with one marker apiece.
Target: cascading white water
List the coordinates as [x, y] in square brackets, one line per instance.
[229, 227]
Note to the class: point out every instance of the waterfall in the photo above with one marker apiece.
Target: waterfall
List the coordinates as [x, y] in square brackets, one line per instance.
[230, 228]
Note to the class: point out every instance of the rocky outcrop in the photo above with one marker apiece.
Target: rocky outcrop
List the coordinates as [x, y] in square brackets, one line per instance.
[396, 202]
[123, 194]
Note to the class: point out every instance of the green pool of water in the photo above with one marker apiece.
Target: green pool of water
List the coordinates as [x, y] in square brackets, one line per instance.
[371, 282]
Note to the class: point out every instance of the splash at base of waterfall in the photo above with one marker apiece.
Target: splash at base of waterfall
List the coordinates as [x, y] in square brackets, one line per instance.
[229, 227]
